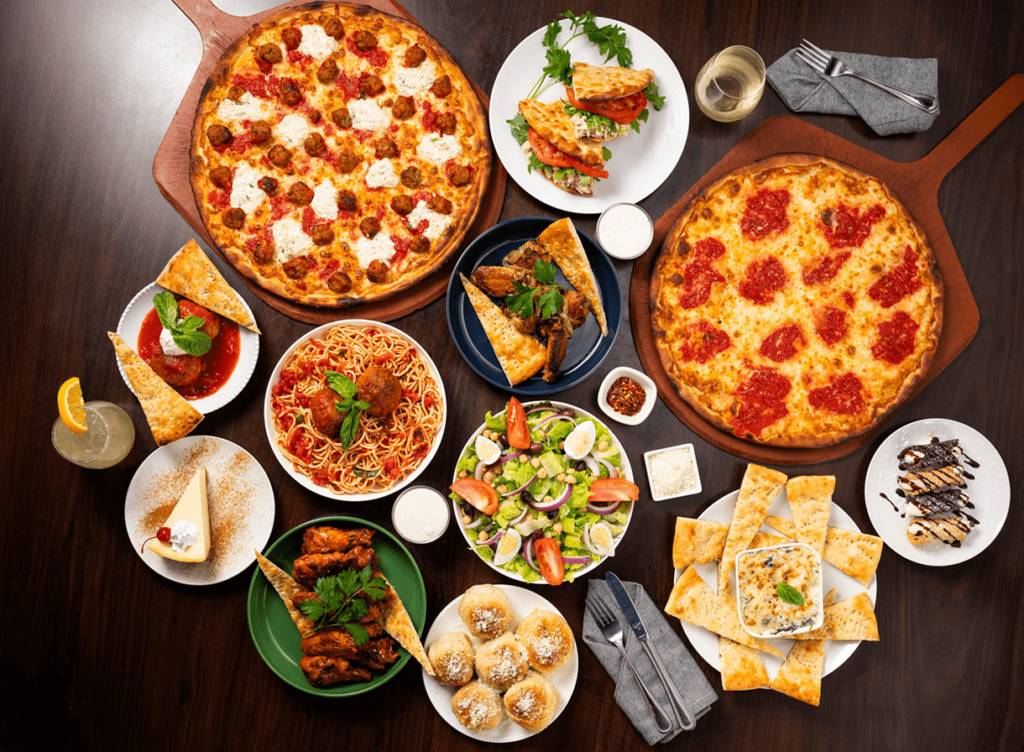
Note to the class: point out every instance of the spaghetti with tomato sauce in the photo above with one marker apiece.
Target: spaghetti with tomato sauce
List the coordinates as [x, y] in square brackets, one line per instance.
[385, 450]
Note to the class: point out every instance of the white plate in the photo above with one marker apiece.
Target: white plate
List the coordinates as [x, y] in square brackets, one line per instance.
[304, 481]
[523, 602]
[625, 471]
[640, 161]
[836, 651]
[248, 349]
[241, 506]
[989, 492]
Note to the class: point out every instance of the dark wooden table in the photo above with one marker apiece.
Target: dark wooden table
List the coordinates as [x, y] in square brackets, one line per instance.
[100, 652]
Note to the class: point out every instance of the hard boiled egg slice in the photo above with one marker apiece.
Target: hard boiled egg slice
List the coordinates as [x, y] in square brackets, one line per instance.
[509, 545]
[487, 450]
[579, 443]
[601, 539]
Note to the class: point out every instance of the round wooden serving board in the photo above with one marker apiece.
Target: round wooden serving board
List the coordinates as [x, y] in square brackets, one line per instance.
[916, 184]
[219, 30]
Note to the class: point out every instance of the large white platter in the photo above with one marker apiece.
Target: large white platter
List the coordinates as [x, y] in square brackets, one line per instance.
[523, 602]
[625, 471]
[241, 506]
[641, 161]
[837, 652]
[989, 492]
[268, 413]
[248, 349]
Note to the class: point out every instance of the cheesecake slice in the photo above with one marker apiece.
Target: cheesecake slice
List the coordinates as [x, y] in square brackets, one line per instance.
[190, 525]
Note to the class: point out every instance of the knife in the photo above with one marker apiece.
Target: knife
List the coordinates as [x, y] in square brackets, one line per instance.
[683, 715]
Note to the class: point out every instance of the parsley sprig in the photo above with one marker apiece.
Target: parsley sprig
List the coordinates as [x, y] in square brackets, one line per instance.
[549, 299]
[338, 604]
[346, 389]
[185, 334]
[610, 40]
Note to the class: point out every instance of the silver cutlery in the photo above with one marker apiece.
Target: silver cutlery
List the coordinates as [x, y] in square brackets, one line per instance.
[830, 65]
[612, 632]
[683, 715]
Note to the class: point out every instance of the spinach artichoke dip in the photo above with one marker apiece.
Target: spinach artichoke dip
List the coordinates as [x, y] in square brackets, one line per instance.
[779, 590]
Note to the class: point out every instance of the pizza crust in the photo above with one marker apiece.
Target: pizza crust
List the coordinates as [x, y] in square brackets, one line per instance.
[472, 132]
[708, 399]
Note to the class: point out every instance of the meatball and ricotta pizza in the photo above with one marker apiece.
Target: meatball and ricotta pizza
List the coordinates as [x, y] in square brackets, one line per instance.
[339, 155]
[796, 302]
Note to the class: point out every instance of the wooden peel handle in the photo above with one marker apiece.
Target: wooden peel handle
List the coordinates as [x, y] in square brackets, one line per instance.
[973, 130]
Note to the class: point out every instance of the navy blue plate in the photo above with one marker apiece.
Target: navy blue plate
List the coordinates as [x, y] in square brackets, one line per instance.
[587, 348]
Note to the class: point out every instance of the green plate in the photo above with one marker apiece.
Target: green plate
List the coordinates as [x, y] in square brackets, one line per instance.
[276, 637]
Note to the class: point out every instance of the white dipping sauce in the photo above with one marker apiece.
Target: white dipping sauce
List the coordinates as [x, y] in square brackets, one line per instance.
[625, 230]
[420, 514]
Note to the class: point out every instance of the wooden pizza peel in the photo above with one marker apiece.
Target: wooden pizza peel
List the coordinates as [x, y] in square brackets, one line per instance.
[219, 30]
[915, 184]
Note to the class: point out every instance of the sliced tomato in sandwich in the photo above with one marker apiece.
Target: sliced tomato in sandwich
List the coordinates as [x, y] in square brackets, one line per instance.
[623, 110]
[548, 154]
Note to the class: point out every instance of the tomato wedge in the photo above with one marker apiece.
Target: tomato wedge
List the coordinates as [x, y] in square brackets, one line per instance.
[549, 155]
[518, 431]
[481, 495]
[614, 489]
[622, 110]
[549, 559]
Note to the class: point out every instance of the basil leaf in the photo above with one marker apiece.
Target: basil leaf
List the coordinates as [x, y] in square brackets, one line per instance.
[191, 324]
[348, 428]
[789, 594]
[341, 384]
[167, 310]
[194, 343]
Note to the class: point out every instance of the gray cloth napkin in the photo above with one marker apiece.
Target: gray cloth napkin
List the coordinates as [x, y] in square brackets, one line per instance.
[805, 90]
[679, 664]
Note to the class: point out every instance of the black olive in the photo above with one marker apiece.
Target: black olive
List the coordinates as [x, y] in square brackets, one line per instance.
[526, 496]
[568, 412]
[536, 447]
[581, 466]
[503, 440]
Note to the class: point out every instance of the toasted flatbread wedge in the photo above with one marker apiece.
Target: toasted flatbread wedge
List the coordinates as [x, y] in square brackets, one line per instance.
[800, 675]
[758, 490]
[398, 624]
[555, 127]
[702, 541]
[192, 275]
[170, 415]
[597, 82]
[852, 619]
[856, 554]
[742, 668]
[286, 587]
[810, 501]
[693, 601]
[561, 241]
[520, 355]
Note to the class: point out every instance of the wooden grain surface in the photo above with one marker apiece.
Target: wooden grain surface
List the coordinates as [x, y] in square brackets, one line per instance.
[99, 653]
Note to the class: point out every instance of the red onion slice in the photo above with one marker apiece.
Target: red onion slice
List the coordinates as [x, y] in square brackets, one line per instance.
[613, 472]
[528, 555]
[489, 541]
[520, 518]
[478, 471]
[518, 490]
[554, 504]
[592, 507]
[554, 417]
[576, 559]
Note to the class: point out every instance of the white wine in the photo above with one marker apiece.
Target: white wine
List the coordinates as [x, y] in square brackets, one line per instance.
[730, 84]
[109, 437]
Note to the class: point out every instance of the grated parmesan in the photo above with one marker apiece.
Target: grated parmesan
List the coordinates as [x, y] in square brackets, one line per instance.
[672, 472]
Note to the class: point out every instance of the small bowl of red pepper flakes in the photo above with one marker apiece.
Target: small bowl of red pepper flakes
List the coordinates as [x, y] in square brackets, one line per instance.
[627, 396]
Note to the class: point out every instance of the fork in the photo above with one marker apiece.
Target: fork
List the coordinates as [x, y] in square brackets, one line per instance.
[830, 65]
[612, 631]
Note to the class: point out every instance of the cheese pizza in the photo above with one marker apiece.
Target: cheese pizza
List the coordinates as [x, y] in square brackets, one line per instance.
[796, 302]
[338, 154]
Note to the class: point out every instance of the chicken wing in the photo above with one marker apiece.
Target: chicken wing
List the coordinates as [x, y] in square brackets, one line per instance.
[311, 567]
[324, 540]
[324, 671]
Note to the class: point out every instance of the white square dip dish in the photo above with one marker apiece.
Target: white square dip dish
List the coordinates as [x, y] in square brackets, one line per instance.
[763, 610]
[672, 472]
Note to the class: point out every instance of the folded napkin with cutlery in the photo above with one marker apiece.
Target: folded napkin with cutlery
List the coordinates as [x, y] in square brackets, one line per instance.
[803, 89]
[686, 675]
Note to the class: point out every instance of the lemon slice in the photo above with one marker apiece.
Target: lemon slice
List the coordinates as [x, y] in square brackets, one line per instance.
[72, 406]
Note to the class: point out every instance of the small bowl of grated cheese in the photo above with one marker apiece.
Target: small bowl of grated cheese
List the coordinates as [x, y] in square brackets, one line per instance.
[672, 472]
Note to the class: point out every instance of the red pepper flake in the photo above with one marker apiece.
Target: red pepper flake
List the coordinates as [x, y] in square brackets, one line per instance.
[626, 397]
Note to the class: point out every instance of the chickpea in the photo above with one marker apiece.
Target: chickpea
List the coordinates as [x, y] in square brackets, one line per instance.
[561, 446]
[570, 479]
[561, 477]
[602, 446]
[547, 499]
[502, 489]
[483, 535]
[466, 519]
[463, 474]
[542, 473]
[523, 458]
[556, 528]
[547, 533]
[536, 463]
[528, 517]
[488, 476]
[541, 435]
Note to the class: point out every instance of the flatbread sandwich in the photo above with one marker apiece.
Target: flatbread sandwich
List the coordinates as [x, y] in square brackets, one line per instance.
[609, 101]
[569, 162]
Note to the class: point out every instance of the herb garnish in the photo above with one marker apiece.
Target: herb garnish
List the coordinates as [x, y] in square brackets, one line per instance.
[549, 298]
[338, 604]
[610, 40]
[789, 594]
[346, 389]
[185, 334]
[657, 101]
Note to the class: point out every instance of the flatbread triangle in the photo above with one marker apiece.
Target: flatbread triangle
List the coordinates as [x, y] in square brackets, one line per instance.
[170, 416]
[561, 240]
[597, 82]
[191, 274]
[758, 490]
[810, 502]
[555, 127]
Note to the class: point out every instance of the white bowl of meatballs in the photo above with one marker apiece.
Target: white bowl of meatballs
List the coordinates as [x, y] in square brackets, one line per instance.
[505, 663]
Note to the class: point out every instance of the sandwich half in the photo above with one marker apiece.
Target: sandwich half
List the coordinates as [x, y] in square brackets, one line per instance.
[569, 162]
[605, 101]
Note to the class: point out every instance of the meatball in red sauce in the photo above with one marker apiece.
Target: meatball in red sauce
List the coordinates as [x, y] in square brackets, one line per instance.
[381, 388]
